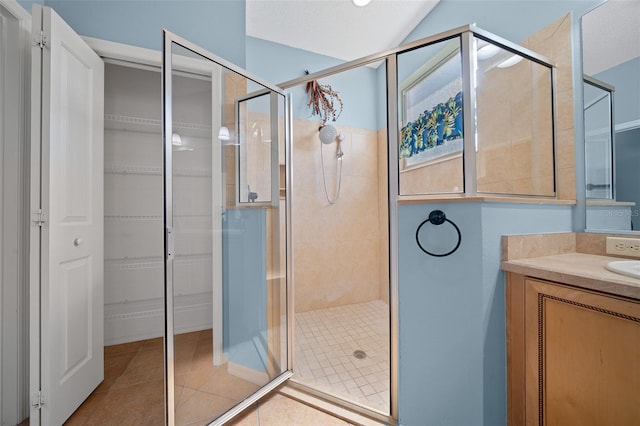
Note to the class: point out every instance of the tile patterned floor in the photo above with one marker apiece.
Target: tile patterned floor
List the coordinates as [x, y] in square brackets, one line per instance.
[132, 392]
[203, 391]
[325, 341]
[274, 410]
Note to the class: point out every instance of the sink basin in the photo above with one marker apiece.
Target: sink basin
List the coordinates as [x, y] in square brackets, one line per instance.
[630, 268]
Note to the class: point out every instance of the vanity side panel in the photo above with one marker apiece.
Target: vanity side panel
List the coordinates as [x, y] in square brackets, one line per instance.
[532, 354]
[515, 349]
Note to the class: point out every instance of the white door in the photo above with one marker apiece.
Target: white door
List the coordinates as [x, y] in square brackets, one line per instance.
[67, 186]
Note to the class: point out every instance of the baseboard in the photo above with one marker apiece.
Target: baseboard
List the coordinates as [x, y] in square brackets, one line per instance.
[129, 322]
[249, 374]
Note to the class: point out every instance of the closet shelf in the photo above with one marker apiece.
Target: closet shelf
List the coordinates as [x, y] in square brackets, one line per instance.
[152, 262]
[153, 217]
[126, 169]
[151, 125]
[119, 218]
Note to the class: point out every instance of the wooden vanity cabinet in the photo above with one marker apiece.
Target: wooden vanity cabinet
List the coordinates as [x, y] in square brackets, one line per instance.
[573, 355]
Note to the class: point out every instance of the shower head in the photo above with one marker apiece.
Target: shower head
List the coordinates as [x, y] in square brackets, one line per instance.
[328, 134]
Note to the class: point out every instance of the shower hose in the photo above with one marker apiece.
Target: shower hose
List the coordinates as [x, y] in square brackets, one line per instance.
[324, 177]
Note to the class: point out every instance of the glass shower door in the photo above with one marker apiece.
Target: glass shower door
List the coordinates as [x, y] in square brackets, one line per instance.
[227, 328]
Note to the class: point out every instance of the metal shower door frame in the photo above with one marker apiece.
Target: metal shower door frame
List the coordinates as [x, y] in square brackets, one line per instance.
[169, 39]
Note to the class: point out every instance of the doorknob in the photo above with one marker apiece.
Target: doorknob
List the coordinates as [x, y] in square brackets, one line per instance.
[77, 241]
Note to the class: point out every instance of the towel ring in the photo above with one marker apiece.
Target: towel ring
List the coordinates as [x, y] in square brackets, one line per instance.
[437, 217]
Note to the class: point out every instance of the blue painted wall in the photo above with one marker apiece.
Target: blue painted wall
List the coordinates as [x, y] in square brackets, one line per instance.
[497, 220]
[216, 25]
[624, 78]
[244, 287]
[514, 20]
[452, 313]
[357, 88]
[440, 312]
[27, 4]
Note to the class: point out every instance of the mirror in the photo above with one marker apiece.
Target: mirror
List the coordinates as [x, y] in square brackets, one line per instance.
[611, 64]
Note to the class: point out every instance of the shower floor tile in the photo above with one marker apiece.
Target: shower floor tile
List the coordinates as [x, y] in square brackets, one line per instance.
[325, 344]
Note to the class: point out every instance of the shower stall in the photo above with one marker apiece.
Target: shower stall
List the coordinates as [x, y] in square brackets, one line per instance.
[461, 114]
[424, 120]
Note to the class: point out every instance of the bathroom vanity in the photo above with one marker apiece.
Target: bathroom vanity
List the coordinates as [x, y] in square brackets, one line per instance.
[573, 341]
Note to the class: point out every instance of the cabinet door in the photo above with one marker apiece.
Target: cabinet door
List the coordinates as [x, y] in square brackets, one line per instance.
[582, 357]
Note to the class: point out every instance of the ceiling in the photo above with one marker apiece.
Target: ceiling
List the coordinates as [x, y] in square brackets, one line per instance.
[339, 29]
[611, 35]
[335, 28]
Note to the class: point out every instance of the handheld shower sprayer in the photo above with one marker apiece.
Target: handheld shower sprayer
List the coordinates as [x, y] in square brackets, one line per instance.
[340, 139]
[327, 135]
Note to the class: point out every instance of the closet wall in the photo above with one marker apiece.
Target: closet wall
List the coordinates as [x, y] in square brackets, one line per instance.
[134, 285]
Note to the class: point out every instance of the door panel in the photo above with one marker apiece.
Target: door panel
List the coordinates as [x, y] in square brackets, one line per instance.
[212, 113]
[75, 297]
[70, 145]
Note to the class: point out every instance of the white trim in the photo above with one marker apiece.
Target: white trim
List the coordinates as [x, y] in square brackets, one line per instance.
[218, 202]
[4, 287]
[16, 9]
[134, 56]
[125, 52]
[34, 231]
[249, 374]
[14, 217]
[603, 132]
[629, 125]
[140, 320]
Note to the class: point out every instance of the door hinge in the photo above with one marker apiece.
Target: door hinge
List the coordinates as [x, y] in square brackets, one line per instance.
[38, 218]
[38, 400]
[40, 40]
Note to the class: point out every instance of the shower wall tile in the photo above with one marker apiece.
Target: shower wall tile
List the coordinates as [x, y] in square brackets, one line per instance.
[566, 183]
[511, 128]
[336, 247]
[234, 87]
[509, 157]
[560, 38]
[383, 216]
[521, 159]
[443, 176]
[564, 114]
[565, 150]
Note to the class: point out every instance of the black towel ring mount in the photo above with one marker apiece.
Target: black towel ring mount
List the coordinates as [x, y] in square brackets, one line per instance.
[437, 217]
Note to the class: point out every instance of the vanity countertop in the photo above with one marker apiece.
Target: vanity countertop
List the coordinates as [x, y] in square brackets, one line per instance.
[578, 269]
